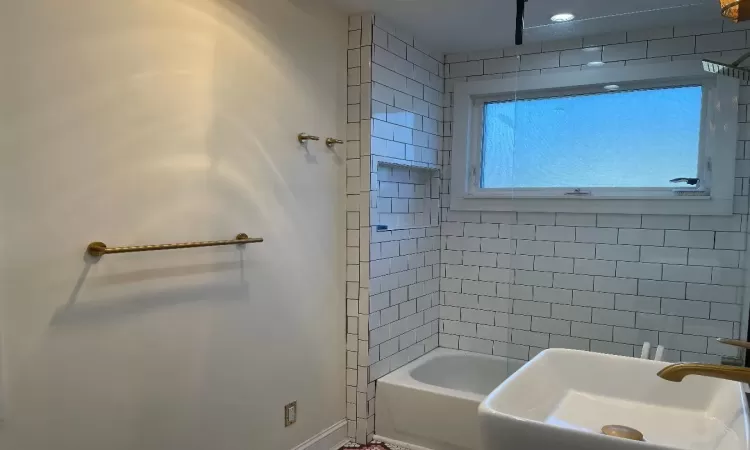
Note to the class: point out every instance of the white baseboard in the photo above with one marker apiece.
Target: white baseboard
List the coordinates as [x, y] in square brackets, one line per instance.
[327, 439]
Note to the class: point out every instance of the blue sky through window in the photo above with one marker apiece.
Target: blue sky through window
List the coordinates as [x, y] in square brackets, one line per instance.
[620, 139]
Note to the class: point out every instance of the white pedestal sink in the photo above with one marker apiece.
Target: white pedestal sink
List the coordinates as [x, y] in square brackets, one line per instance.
[562, 398]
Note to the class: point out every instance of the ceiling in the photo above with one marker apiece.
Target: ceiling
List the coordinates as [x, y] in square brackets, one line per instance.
[468, 25]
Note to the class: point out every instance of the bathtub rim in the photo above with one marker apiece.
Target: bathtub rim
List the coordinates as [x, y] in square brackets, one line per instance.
[403, 375]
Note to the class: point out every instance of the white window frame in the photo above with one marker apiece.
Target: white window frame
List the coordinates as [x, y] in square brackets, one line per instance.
[718, 143]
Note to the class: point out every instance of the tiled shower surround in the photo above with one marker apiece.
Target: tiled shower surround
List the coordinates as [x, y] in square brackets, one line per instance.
[360, 393]
[395, 113]
[506, 283]
[514, 284]
[407, 123]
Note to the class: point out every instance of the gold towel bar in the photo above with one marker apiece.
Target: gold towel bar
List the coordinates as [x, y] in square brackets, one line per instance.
[99, 248]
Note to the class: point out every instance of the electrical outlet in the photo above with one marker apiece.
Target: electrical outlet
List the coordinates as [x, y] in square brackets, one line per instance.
[290, 413]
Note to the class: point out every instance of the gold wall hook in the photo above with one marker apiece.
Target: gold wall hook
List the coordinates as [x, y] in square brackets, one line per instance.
[302, 137]
[330, 142]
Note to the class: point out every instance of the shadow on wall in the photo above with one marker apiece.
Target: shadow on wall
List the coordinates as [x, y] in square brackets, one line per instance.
[114, 309]
[144, 301]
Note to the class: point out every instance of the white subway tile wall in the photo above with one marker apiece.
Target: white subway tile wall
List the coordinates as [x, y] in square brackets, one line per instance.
[394, 135]
[360, 393]
[407, 125]
[513, 284]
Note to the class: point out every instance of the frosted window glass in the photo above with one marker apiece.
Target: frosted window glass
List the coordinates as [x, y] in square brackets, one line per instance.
[622, 139]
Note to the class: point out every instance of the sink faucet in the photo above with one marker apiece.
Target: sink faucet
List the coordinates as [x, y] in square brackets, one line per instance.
[676, 372]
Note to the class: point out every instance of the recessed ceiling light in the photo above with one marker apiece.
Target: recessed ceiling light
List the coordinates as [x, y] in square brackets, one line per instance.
[564, 17]
[611, 87]
[595, 64]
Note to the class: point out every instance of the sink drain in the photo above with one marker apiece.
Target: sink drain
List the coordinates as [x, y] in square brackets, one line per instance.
[623, 432]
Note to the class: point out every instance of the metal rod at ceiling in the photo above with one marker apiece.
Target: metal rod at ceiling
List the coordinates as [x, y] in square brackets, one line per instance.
[520, 10]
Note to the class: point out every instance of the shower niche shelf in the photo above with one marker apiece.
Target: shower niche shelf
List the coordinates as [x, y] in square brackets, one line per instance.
[407, 195]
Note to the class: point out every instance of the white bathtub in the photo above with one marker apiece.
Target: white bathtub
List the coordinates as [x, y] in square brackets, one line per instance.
[433, 401]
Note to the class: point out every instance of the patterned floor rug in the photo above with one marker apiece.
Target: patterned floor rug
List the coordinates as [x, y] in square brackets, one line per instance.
[374, 445]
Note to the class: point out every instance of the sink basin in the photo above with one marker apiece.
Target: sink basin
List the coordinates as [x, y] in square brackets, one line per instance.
[562, 398]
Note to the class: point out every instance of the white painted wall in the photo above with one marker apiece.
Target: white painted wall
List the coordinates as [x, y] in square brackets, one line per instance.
[138, 122]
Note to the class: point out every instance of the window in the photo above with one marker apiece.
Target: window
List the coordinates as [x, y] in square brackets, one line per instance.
[586, 141]
[605, 140]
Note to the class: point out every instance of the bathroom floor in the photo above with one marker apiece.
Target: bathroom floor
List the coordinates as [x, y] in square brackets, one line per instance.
[374, 445]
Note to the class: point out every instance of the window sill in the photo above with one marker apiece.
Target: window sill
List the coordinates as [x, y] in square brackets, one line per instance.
[691, 205]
